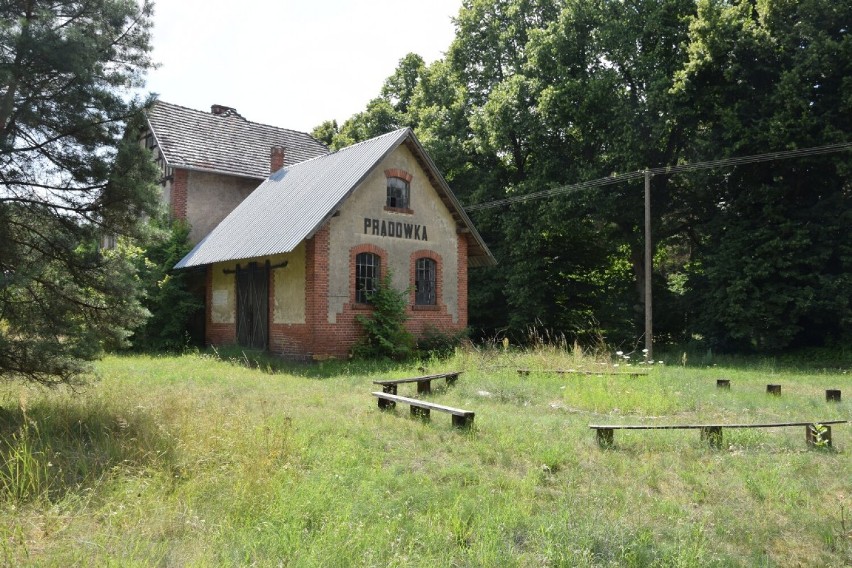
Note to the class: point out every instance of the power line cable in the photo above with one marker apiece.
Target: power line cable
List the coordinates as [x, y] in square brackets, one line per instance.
[664, 170]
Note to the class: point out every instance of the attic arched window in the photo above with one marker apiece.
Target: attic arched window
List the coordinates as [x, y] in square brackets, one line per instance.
[398, 193]
[399, 190]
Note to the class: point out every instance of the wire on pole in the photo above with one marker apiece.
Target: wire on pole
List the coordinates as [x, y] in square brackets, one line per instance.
[663, 170]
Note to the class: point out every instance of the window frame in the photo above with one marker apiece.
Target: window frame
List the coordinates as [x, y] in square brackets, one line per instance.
[425, 271]
[394, 202]
[368, 274]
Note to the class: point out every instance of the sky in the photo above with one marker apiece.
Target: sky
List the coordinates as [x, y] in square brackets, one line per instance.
[290, 63]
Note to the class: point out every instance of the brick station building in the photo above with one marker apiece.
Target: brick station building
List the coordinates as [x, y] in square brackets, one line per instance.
[292, 264]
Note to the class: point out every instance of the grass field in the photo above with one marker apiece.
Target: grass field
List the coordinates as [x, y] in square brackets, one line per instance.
[199, 461]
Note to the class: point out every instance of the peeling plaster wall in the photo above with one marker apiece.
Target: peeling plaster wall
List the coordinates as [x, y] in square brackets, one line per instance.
[368, 201]
[289, 287]
[210, 197]
[223, 305]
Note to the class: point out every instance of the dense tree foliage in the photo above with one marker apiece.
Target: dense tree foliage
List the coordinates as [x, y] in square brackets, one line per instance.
[775, 246]
[167, 296]
[535, 94]
[68, 177]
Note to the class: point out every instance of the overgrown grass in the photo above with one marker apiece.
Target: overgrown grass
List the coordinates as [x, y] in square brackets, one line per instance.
[240, 459]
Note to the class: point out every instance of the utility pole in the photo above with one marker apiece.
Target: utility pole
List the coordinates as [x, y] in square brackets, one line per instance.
[649, 319]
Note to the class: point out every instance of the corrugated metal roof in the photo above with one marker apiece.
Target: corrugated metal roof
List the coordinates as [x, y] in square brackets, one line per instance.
[226, 143]
[294, 202]
[290, 205]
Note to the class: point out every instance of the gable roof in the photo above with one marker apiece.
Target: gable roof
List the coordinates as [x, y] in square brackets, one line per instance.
[294, 202]
[225, 142]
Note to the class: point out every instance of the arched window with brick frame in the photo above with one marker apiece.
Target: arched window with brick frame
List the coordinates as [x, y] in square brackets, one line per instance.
[398, 190]
[425, 274]
[425, 282]
[368, 274]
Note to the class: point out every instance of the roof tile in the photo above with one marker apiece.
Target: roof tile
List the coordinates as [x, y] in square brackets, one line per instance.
[226, 142]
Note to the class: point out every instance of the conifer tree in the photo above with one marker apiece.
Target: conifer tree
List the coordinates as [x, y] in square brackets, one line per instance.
[71, 172]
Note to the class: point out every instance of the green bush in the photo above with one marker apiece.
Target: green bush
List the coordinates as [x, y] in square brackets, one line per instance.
[385, 336]
[434, 342]
[167, 295]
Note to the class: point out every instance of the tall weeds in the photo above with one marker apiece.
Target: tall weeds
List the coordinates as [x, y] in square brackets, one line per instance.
[63, 444]
[25, 471]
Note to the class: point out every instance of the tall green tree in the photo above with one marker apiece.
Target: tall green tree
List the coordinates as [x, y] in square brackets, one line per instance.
[535, 94]
[385, 113]
[492, 120]
[326, 132]
[565, 92]
[71, 172]
[776, 253]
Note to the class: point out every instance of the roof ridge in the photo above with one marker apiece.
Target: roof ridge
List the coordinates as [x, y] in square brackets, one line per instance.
[242, 118]
[341, 150]
[373, 139]
[389, 133]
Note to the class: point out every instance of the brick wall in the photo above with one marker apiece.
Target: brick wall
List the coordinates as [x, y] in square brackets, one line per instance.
[429, 318]
[338, 338]
[327, 339]
[398, 173]
[317, 338]
[292, 340]
[177, 207]
[462, 283]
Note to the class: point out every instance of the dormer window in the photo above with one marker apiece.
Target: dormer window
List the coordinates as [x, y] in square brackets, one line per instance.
[398, 193]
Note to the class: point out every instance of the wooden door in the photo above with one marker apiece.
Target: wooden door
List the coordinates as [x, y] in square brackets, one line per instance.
[253, 305]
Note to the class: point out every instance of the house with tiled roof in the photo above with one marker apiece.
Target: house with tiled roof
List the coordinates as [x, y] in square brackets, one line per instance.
[294, 263]
[211, 161]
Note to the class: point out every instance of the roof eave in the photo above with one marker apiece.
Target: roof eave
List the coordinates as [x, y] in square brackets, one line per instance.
[215, 171]
[488, 258]
[357, 184]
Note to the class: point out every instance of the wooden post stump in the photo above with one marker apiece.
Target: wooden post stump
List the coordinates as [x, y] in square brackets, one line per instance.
[386, 404]
[712, 435]
[723, 384]
[463, 422]
[818, 435]
[774, 390]
[832, 395]
[605, 437]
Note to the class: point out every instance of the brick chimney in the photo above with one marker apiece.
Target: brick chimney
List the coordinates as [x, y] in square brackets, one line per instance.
[222, 110]
[276, 158]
